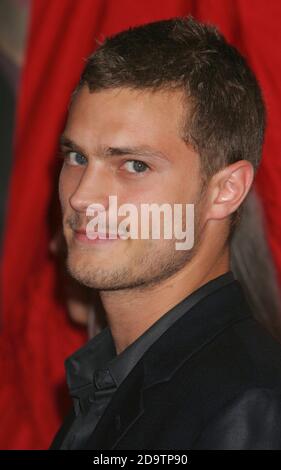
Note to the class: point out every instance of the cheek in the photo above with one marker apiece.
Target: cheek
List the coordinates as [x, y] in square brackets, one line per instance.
[61, 189]
[186, 185]
[65, 188]
[68, 183]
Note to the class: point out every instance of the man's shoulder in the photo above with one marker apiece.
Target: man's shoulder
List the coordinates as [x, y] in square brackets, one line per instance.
[231, 389]
[251, 420]
[251, 347]
[242, 361]
[219, 344]
[244, 353]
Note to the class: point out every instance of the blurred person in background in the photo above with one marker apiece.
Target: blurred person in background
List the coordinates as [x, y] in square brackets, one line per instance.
[13, 27]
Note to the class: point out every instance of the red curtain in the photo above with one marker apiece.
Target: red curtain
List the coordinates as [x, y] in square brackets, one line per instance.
[36, 333]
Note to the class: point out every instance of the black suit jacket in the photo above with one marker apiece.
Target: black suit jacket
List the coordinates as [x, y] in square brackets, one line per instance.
[211, 381]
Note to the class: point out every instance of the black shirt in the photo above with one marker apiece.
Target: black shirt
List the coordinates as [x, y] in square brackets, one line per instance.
[94, 372]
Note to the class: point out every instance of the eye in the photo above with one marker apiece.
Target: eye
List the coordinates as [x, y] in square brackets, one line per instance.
[75, 158]
[135, 166]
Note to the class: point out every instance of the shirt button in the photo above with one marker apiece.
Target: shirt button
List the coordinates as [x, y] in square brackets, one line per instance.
[103, 379]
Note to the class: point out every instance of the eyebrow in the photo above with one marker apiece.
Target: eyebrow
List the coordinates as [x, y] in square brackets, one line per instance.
[142, 150]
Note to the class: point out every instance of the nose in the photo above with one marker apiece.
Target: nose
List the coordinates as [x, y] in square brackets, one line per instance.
[93, 188]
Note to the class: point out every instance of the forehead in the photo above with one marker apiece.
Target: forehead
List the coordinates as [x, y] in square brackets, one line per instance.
[124, 116]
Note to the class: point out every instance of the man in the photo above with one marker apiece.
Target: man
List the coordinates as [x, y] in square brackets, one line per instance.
[166, 113]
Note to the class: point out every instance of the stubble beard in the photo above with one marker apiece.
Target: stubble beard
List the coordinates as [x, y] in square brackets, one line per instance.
[157, 262]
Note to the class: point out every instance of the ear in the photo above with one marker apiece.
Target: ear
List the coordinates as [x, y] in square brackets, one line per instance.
[228, 188]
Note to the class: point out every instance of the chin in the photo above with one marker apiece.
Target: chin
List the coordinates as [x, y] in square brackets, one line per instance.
[93, 274]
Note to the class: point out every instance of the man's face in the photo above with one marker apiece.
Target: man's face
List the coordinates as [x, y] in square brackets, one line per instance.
[125, 143]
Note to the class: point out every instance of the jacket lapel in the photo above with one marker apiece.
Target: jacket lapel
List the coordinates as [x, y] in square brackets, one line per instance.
[177, 345]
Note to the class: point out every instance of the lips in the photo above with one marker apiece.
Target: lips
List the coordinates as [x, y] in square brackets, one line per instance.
[98, 235]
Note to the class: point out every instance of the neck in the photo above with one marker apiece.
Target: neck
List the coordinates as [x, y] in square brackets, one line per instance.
[131, 312]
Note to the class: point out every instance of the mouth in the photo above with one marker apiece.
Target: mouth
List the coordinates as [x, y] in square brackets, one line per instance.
[81, 236]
